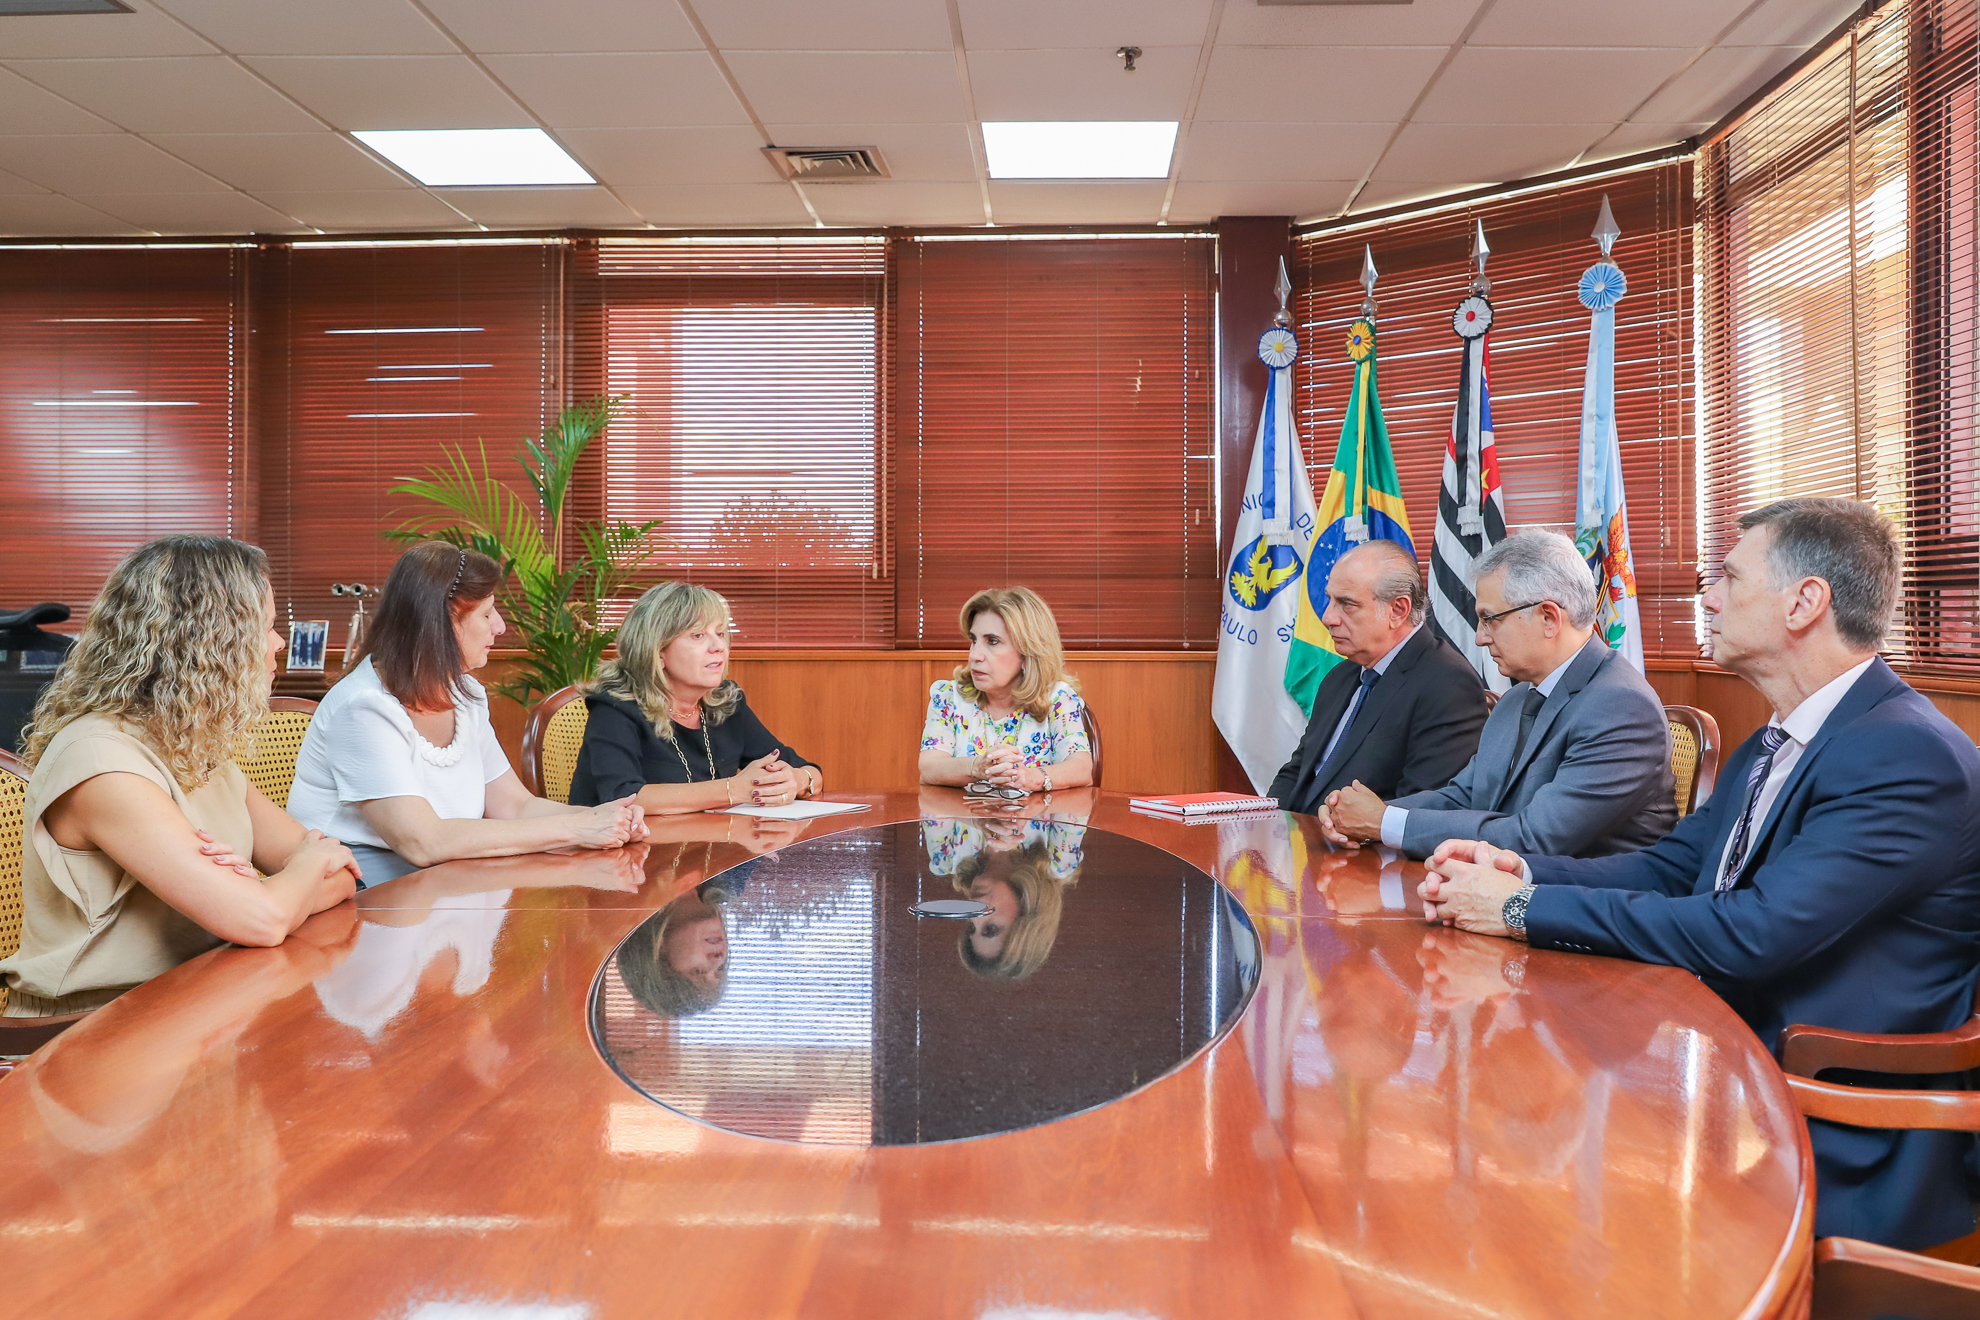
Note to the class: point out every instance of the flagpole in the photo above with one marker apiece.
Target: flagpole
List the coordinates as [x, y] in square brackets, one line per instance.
[1601, 520]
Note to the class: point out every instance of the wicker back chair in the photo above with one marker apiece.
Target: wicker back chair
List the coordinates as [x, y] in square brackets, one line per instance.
[1694, 755]
[17, 1035]
[272, 768]
[552, 735]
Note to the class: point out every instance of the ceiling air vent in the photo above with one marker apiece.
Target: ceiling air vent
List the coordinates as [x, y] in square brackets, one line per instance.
[827, 164]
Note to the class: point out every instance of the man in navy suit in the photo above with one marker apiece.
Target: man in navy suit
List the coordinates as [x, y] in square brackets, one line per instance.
[1834, 877]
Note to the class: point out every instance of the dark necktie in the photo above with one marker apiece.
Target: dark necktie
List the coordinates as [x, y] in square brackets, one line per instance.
[1771, 739]
[1368, 677]
[1530, 712]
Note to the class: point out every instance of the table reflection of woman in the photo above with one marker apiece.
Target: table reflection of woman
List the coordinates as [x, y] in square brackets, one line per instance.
[677, 964]
[1021, 870]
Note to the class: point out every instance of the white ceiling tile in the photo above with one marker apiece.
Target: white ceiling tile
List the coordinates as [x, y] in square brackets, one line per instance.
[101, 162]
[541, 208]
[14, 185]
[1091, 24]
[807, 25]
[1525, 85]
[1720, 80]
[924, 153]
[1467, 154]
[26, 108]
[196, 94]
[657, 90]
[1797, 23]
[1628, 139]
[47, 216]
[593, 25]
[192, 213]
[889, 203]
[359, 212]
[1197, 202]
[1422, 22]
[256, 162]
[74, 36]
[850, 88]
[1077, 203]
[1081, 84]
[661, 156]
[1379, 194]
[347, 27]
[1220, 151]
[1580, 23]
[750, 205]
[1363, 85]
[383, 91]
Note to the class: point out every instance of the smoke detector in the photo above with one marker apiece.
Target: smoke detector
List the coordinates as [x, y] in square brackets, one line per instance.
[828, 164]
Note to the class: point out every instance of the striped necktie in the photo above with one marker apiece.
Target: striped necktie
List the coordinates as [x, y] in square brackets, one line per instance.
[1770, 742]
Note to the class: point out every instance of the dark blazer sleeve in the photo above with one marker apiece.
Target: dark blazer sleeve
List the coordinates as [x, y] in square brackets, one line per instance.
[754, 741]
[1444, 723]
[610, 764]
[1883, 816]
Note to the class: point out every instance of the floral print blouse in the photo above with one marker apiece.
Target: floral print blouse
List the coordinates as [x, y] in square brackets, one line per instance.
[957, 726]
[949, 841]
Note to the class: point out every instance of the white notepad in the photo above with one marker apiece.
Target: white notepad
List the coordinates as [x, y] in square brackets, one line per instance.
[798, 810]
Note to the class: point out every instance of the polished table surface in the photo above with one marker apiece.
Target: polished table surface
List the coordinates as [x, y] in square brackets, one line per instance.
[401, 1113]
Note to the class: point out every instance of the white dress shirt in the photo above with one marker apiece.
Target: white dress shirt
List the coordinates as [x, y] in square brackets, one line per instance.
[1393, 818]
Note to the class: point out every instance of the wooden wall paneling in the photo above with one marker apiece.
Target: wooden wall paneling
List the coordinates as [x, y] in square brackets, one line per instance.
[858, 715]
[1154, 717]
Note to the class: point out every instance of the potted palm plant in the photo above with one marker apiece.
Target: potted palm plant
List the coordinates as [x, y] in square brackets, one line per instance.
[562, 568]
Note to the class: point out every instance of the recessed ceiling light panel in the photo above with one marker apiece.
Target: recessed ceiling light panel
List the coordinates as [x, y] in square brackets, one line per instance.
[26, 7]
[476, 157]
[1116, 149]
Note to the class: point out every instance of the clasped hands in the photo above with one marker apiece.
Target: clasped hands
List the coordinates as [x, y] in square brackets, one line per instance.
[772, 782]
[1352, 816]
[1468, 884]
[1003, 765]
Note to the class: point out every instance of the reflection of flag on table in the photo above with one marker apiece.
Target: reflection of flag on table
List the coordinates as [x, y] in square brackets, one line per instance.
[1601, 517]
[1471, 510]
[1363, 501]
[1256, 715]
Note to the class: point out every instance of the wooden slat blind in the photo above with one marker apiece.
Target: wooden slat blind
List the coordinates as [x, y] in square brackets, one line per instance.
[752, 367]
[1539, 347]
[1052, 427]
[373, 357]
[122, 397]
[1837, 268]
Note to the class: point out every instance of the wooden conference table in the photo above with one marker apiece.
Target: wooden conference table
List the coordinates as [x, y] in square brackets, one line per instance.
[401, 1113]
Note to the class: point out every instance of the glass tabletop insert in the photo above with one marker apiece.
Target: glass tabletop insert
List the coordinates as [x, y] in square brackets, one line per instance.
[1051, 968]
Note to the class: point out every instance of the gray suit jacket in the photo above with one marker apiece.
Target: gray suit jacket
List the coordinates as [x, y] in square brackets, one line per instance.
[1594, 777]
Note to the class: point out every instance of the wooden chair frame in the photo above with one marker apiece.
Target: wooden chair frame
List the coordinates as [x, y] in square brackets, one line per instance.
[534, 726]
[1092, 727]
[1705, 730]
[20, 1036]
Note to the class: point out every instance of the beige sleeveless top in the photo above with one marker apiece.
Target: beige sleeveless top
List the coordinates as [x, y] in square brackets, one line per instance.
[90, 930]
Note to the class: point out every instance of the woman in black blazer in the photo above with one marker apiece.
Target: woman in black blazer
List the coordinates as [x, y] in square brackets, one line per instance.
[668, 724]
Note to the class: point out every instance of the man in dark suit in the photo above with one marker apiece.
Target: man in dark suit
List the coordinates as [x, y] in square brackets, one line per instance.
[1833, 879]
[1575, 761]
[1404, 713]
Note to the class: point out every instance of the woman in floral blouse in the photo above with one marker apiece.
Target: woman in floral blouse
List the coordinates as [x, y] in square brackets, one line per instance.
[1010, 715]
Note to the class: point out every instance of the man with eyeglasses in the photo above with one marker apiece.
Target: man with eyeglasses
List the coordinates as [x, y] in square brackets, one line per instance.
[1833, 879]
[1575, 761]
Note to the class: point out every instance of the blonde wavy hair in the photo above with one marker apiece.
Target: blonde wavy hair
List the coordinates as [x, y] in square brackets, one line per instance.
[1035, 633]
[174, 647]
[1041, 904]
[663, 614]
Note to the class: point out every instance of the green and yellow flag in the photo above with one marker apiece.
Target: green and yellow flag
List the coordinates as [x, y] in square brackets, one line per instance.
[1363, 502]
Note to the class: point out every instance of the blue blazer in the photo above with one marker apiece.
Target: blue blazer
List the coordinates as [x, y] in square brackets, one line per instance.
[1859, 910]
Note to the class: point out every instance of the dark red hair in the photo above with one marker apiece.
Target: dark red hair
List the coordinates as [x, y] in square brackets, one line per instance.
[411, 643]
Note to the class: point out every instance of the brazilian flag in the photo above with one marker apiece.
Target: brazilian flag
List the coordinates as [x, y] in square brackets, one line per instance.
[1363, 502]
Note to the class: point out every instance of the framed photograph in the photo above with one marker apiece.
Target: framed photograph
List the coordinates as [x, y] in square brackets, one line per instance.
[306, 643]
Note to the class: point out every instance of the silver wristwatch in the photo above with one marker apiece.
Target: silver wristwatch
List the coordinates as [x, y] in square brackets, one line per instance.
[1514, 911]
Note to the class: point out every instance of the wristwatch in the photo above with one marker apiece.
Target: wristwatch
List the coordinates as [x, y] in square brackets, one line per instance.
[1045, 775]
[1514, 911]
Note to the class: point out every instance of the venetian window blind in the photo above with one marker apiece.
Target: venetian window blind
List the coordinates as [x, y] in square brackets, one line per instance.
[1052, 427]
[1837, 270]
[373, 357]
[751, 369]
[122, 406]
[1538, 355]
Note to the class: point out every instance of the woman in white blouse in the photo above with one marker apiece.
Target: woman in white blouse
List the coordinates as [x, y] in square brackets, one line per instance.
[1010, 716]
[400, 754]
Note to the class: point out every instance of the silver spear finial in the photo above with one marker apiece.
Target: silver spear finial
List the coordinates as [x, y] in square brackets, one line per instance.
[1480, 250]
[1368, 281]
[1606, 232]
[1284, 289]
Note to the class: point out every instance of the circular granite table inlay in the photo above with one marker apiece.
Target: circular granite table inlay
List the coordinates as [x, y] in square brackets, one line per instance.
[798, 996]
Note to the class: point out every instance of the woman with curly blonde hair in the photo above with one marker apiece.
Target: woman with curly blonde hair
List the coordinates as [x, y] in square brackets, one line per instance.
[135, 795]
